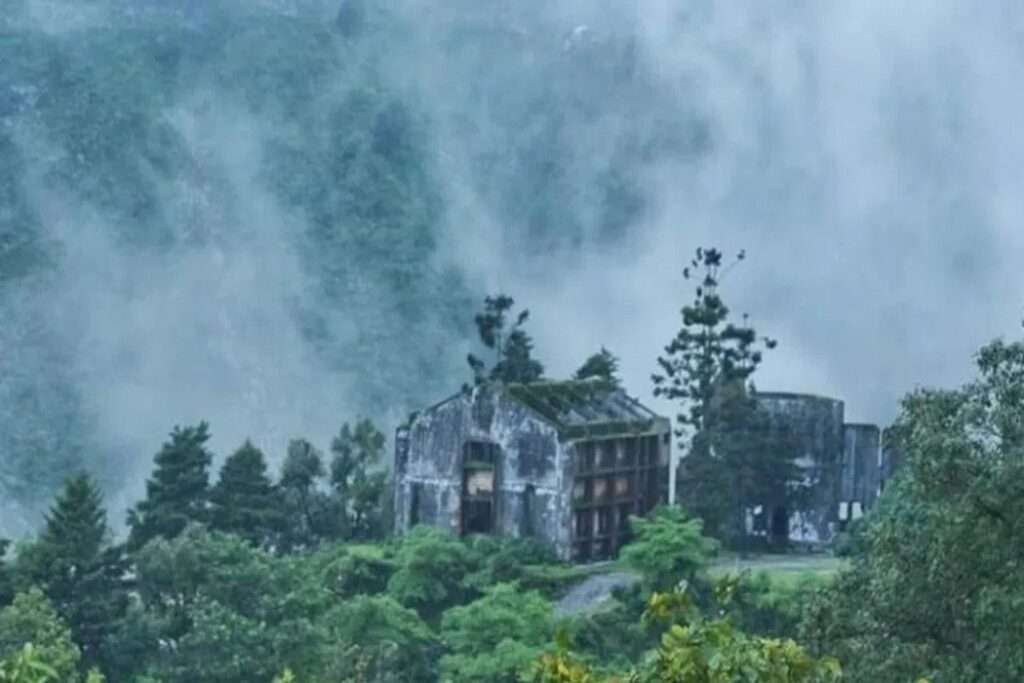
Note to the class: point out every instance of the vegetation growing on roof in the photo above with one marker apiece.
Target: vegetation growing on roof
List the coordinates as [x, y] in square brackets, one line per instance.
[593, 407]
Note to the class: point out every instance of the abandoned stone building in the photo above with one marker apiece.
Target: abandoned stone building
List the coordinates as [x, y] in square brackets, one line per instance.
[569, 462]
[842, 464]
[564, 462]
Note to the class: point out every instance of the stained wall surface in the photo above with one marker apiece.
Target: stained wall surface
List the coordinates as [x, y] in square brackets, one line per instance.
[815, 423]
[860, 479]
[532, 485]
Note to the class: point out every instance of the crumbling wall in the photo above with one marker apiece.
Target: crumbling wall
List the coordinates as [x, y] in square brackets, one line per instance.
[861, 472]
[530, 477]
[816, 425]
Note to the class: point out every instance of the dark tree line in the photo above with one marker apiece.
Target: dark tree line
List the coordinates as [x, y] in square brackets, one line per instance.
[88, 577]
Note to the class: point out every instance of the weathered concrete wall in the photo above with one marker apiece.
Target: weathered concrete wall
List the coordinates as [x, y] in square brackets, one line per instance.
[531, 480]
[816, 424]
[861, 472]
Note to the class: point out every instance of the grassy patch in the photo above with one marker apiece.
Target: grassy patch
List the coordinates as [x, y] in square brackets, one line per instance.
[782, 570]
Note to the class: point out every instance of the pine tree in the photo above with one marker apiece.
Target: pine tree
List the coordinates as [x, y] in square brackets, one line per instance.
[707, 368]
[81, 572]
[512, 346]
[602, 365]
[178, 491]
[243, 501]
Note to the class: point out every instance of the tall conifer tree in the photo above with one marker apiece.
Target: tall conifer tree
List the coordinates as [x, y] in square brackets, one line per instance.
[178, 492]
[729, 463]
[243, 501]
[79, 569]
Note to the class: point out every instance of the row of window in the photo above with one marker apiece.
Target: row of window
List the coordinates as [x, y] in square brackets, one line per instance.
[598, 490]
[609, 454]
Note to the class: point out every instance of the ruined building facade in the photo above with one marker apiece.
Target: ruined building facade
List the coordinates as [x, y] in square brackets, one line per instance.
[567, 463]
[843, 464]
[563, 462]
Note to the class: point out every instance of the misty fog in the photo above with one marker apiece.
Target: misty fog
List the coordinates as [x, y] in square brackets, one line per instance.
[281, 216]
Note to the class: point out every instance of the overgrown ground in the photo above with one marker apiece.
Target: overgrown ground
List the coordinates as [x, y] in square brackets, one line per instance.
[782, 569]
[592, 585]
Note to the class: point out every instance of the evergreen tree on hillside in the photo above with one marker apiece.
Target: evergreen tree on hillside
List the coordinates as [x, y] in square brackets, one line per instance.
[310, 514]
[80, 571]
[6, 579]
[178, 491]
[602, 365]
[512, 346]
[360, 492]
[243, 502]
[707, 368]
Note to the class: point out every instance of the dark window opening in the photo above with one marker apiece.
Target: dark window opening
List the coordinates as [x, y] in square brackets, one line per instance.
[615, 479]
[479, 466]
[414, 504]
[780, 525]
[529, 493]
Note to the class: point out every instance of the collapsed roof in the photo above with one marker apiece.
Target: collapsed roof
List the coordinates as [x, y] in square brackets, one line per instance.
[586, 408]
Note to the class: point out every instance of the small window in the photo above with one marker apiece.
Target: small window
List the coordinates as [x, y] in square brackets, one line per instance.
[414, 503]
[479, 471]
[622, 487]
[529, 493]
[629, 453]
[604, 521]
[583, 523]
[585, 457]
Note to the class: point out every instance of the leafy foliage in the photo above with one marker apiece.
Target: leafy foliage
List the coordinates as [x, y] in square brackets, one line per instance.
[310, 514]
[34, 640]
[602, 365]
[496, 637]
[937, 586]
[26, 666]
[667, 548]
[698, 649]
[511, 344]
[431, 566]
[360, 491]
[376, 634]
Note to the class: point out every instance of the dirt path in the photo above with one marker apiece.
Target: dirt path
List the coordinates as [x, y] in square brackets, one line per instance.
[593, 592]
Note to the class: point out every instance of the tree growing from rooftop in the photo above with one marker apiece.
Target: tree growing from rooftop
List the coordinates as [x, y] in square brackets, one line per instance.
[512, 345]
[602, 365]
